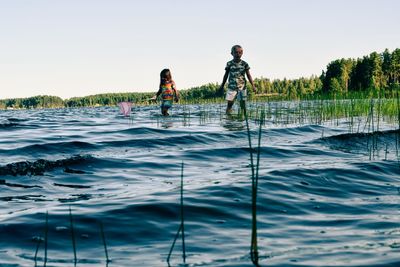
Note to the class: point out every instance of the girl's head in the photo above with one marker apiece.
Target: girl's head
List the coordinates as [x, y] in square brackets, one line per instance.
[165, 75]
[236, 51]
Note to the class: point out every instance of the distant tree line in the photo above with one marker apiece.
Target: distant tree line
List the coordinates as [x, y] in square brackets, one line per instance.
[107, 99]
[41, 101]
[291, 89]
[373, 72]
[376, 72]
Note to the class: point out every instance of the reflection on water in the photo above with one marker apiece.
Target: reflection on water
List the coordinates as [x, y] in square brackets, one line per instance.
[233, 123]
[167, 124]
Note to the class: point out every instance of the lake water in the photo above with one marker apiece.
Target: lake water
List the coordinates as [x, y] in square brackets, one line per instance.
[326, 197]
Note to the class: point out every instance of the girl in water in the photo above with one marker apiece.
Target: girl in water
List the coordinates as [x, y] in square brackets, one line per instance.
[167, 90]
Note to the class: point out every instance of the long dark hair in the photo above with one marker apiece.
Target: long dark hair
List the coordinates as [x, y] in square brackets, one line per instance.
[165, 75]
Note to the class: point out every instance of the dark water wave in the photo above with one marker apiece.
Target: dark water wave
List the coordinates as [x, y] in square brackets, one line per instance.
[297, 211]
[380, 141]
[46, 148]
[8, 125]
[13, 124]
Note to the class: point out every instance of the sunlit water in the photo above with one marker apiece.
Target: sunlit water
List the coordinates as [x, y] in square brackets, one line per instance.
[325, 197]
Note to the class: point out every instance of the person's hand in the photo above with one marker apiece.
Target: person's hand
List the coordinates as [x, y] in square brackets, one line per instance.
[176, 99]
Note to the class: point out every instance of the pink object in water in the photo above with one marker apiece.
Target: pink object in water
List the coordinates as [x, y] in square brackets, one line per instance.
[125, 108]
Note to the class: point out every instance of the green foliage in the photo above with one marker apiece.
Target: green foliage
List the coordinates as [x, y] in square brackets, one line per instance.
[337, 75]
[207, 91]
[373, 72]
[110, 99]
[41, 101]
[334, 86]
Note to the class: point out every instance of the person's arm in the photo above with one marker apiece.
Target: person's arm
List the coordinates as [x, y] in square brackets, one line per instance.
[157, 94]
[221, 88]
[250, 80]
[224, 79]
[176, 94]
[159, 91]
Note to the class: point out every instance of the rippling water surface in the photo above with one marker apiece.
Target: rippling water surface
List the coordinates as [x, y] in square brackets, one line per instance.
[326, 197]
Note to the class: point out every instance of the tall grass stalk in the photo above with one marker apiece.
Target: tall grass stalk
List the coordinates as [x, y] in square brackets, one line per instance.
[46, 234]
[398, 122]
[37, 249]
[249, 139]
[173, 244]
[254, 246]
[72, 234]
[103, 238]
[181, 228]
[182, 219]
[254, 184]
[379, 110]
[398, 108]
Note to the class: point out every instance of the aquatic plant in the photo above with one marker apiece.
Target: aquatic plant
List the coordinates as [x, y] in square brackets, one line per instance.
[72, 234]
[46, 233]
[352, 109]
[39, 240]
[254, 183]
[181, 228]
[103, 238]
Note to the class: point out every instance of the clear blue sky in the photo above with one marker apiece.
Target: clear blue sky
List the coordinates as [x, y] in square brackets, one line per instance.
[81, 47]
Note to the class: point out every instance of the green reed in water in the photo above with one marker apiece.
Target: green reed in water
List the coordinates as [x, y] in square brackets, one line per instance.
[72, 229]
[254, 183]
[46, 232]
[359, 110]
[351, 109]
[39, 240]
[72, 234]
[103, 238]
[181, 228]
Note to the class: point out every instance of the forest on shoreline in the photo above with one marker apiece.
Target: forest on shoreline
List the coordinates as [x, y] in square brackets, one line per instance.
[374, 74]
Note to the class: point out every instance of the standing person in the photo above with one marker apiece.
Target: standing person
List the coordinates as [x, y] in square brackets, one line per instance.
[167, 90]
[236, 70]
